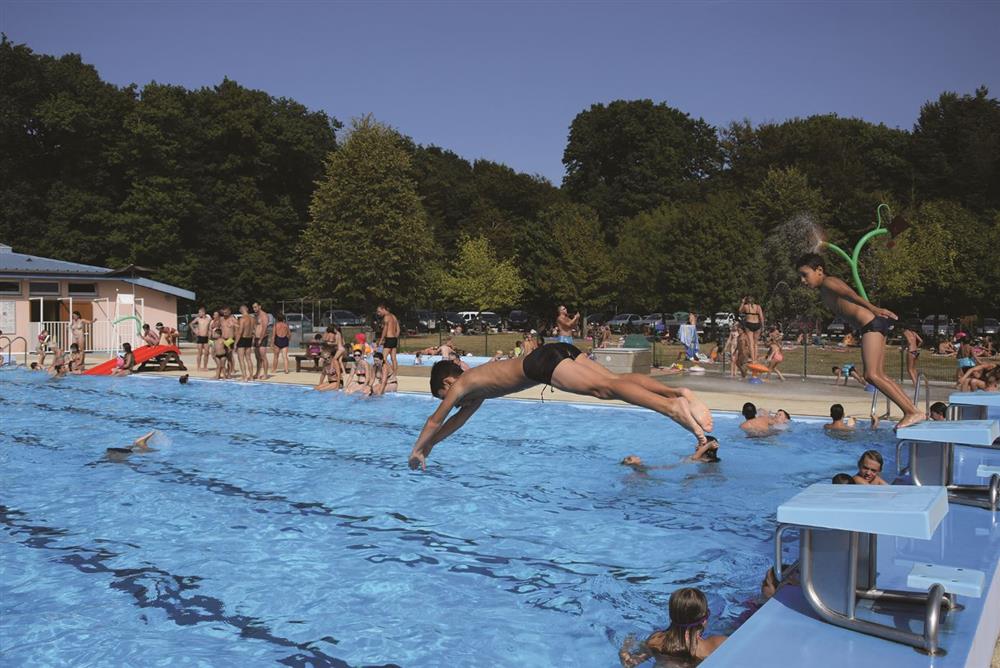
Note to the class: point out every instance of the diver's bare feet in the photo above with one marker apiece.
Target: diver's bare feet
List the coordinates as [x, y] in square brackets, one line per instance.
[699, 410]
[911, 419]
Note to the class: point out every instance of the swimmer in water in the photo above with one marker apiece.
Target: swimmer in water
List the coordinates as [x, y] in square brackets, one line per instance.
[140, 444]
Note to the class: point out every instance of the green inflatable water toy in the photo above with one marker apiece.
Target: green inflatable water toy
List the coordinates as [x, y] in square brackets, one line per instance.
[138, 323]
[852, 260]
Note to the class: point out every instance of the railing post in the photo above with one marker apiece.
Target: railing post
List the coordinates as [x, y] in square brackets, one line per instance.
[805, 356]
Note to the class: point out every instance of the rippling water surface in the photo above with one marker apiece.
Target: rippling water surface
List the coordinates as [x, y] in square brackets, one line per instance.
[280, 525]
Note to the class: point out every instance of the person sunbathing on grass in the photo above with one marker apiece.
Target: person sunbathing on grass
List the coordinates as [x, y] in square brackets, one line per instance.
[558, 364]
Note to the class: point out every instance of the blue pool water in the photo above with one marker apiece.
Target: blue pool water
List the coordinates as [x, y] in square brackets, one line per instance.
[278, 524]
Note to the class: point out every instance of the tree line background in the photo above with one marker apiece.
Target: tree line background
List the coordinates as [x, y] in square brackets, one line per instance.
[241, 196]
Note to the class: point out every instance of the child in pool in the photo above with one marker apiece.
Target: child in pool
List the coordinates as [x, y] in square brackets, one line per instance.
[870, 469]
[683, 639]
[874, 323]
[219, 351]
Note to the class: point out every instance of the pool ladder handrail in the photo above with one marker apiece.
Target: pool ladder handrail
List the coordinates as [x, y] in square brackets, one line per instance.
[934, 600]
[9, 347]
[921, 376]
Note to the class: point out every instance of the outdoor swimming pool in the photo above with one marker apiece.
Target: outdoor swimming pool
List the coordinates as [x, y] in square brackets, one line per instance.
[279, 524]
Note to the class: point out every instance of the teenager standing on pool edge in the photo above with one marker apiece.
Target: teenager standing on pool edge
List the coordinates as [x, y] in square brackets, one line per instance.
[560, 365]
[874, 323]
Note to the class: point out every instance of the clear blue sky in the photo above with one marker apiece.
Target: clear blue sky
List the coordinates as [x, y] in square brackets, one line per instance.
[503, 80]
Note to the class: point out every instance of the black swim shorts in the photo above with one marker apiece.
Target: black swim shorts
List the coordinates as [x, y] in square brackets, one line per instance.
[540, 364]
[391, 342]
[877, 324]
[245, 342]
[202, 339]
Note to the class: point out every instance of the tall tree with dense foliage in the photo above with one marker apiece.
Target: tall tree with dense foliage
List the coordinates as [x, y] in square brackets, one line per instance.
[634, 155]
[581, 272]
[367, 239]
[956, 149]
[477, 278]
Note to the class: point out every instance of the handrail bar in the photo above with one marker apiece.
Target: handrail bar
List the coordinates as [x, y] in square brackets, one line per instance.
[921, 376]
[10, 348]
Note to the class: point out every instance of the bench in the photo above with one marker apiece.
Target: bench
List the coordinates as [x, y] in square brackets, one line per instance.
[839, 526]
[302, 357]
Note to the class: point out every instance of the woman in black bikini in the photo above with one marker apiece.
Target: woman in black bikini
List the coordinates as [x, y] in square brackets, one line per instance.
[753, 320]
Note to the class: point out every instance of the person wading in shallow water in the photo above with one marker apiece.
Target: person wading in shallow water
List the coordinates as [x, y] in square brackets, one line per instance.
[560, 365]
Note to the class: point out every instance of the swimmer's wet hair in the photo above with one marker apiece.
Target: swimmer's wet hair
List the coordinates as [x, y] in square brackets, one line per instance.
[843, 479]
[874, 455]
[939, 407]
[749, 411]
[811, 260]
[440, 371]
[837, 412]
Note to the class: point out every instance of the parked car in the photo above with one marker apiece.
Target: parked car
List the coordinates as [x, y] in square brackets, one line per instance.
[451, 319]
[650, 320]
[722, 320]
[838, 327]
[799, 326]
[517, 321]
[989, 326]
[595, 319]
[489, 319]
[420, 321]
[623, 323]
[342, 318]
[937, 325]
[299, 321]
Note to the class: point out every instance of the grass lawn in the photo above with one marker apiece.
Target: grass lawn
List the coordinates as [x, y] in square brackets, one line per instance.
[818, 361]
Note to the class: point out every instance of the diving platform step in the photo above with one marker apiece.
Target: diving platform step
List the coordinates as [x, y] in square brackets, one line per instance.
[963, 432]
[984, 471]
[988, 399]
[964, 581]
[888, 510]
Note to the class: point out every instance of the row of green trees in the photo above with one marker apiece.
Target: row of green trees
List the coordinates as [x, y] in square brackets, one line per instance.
[239, 195]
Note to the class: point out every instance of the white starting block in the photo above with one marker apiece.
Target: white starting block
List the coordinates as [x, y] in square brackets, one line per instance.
[932, 457]
[973, 405]
[838, 528]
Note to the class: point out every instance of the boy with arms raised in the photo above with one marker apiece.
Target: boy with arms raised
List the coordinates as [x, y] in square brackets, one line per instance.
[560, 365]
[873, 322]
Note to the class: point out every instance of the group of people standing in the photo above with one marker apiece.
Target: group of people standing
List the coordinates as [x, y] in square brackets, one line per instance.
[241, 343]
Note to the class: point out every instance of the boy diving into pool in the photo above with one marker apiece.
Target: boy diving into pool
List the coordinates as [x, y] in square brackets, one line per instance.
[873, 321]
[560, 365]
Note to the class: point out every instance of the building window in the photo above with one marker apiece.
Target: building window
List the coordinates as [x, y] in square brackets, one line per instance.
[43, 288]
[46, 311]
[10, 287]
[87, 289]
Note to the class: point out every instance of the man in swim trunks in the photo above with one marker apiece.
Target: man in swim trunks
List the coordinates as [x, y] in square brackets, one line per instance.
[874, 323]
[230, 327]
[244, 342]
[200, 326]
[565, 325]
[560, 365]
[389, 339]
[261, 342]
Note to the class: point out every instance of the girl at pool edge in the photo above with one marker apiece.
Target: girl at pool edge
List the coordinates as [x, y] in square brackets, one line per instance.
[558, 364]
[683, 638]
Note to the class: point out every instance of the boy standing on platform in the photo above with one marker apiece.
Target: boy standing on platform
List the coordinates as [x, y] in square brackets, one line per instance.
[874, 323]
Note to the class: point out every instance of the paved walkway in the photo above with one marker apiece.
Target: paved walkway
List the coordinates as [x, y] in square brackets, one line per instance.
[811, 397]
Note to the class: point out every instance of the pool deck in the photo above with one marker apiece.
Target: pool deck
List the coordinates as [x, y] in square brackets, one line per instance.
[811, 397]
